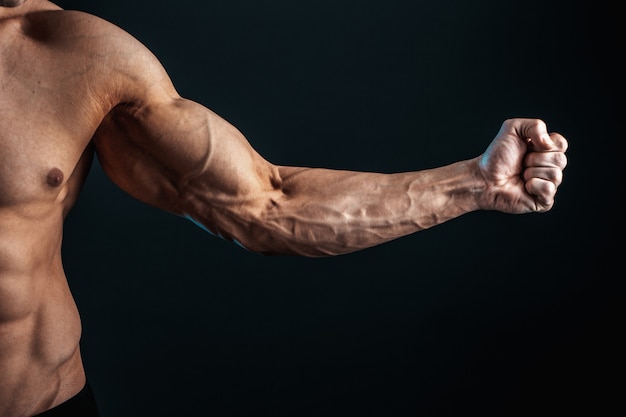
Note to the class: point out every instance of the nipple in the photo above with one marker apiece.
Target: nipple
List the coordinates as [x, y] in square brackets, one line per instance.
[54, 178]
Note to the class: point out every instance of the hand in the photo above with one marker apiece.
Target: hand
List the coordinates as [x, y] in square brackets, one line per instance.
[522, 167]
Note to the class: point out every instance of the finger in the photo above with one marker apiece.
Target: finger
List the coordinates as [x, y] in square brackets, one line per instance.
[552, 142]
[554, 175]
[546, 160]
[559, 141]
[543, 191]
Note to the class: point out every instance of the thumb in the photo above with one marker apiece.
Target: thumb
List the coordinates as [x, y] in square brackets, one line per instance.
[541, 142]
[535, 133]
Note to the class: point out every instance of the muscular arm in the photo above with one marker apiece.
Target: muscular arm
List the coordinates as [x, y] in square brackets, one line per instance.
[179, 156]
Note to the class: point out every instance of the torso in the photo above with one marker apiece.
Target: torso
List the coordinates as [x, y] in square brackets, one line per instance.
[49, 111]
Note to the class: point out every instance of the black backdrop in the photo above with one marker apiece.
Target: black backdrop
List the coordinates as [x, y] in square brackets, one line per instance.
[489, 314]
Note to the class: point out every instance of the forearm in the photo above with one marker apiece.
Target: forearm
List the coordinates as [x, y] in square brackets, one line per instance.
[319, 212]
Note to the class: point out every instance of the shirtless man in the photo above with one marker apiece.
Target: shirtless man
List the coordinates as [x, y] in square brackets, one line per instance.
[72, 84]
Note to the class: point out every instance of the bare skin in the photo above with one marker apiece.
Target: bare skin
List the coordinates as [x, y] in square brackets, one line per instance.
[72, 84]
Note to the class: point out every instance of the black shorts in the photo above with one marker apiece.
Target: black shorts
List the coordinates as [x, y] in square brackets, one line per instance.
[82, 404]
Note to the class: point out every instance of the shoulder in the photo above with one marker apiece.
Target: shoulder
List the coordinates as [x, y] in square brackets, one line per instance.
[72, 28]
[116, 59]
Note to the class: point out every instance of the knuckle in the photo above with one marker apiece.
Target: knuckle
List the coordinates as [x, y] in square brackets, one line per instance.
[560, 160]
[559, 141]
[558, 177]
[508, 124]
[539, 124]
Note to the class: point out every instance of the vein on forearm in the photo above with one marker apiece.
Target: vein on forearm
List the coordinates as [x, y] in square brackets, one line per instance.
[320, 212]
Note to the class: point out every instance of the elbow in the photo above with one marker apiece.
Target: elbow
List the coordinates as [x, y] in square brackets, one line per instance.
[262, 217]
[259, 230]
[268, 229]
[279, 231]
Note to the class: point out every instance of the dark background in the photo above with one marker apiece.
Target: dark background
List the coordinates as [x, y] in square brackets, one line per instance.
[488, 314]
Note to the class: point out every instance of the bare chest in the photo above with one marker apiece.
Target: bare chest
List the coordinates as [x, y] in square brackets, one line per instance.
[38, 147]
[46, 120]
[34, 163]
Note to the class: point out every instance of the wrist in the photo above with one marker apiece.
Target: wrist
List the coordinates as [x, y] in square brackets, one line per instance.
[467, 185]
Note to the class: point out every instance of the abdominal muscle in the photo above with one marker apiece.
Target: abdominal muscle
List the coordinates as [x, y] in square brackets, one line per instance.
[40, 364]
